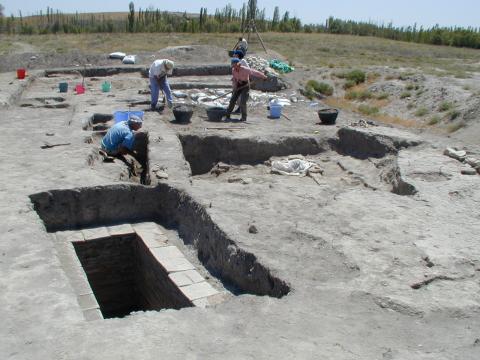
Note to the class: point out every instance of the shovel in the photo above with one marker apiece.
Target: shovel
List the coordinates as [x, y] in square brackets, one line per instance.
[231, 91]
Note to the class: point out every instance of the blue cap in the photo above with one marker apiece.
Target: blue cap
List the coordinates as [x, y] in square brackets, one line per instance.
[234, 61]
[239, 53]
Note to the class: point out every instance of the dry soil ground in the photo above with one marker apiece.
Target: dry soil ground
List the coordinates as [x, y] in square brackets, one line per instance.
[376, 258]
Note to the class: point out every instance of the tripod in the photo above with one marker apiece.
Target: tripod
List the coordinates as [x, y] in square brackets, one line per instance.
[249, 28]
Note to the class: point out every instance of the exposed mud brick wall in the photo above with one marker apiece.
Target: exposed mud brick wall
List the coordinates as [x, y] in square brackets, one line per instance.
[95, 71]
[363, 144]
[272, 84]
[92, 206]
[197, 70]
[217, 252]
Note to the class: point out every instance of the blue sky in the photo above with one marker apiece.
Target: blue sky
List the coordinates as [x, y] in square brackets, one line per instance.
[400, 12]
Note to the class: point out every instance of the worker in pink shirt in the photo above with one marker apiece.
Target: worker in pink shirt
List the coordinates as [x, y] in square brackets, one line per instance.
[241, 86]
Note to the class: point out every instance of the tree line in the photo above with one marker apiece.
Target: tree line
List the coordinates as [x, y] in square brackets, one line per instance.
[226, 20]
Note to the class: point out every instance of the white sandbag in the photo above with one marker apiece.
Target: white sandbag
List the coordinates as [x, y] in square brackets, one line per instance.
[117, 55]
[129, 59]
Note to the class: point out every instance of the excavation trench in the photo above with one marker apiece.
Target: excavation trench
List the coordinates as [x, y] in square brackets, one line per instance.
[170, 207]
[203, 152]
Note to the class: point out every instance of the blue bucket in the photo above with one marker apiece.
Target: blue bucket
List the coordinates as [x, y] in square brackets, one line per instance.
[124, 115]
[275, 111]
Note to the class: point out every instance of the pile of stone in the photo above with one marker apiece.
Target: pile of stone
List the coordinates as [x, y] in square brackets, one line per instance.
[209, 97]
[260, 64]
[462, 156]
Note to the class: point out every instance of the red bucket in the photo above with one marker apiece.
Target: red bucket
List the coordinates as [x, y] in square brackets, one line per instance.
[79, 89]
[21, 73]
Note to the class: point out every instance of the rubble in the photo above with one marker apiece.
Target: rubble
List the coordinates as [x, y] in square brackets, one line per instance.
[260, 64]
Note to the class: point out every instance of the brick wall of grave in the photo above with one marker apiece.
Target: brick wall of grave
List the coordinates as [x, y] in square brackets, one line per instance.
[125, 277]
[155, 289]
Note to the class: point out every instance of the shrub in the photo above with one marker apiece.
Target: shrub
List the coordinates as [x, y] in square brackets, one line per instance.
[409, 87]
[382, 96]
[309, 93]
[358, 76]
[410, 106]
[445, 106]
[368, 110]
[406, 75]
[349, 84]
[421, 112]
[457, 126]
[358, 95]
[453, 114]
[320, 87]
[354, 76]
[373, 76]
[405, 94]
[434, 120]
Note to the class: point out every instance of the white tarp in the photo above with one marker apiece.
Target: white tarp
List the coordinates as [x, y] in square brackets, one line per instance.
[295, 167]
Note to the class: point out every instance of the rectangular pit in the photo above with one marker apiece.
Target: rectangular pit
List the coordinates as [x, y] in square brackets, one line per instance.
[125, 276]
[78, 208]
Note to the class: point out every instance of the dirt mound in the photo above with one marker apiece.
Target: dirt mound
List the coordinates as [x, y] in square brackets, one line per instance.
[194, 54]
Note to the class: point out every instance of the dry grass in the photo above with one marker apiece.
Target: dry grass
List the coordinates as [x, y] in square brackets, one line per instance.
[381, 117]
[341, 51]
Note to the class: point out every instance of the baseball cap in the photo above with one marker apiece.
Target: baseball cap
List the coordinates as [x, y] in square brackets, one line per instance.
[169, 66]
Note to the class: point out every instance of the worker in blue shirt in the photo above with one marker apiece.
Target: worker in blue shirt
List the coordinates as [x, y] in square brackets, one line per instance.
[120, 138]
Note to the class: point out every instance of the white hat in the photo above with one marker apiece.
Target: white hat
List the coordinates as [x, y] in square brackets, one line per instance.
[134, 119]
[169, 66]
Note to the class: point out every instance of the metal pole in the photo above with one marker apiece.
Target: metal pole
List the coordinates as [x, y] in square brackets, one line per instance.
[261, 41]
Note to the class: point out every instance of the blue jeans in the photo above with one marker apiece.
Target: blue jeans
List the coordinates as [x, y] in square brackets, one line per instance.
[155, 86]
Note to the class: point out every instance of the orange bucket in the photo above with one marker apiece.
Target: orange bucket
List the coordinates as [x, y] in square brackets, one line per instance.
[21, 73]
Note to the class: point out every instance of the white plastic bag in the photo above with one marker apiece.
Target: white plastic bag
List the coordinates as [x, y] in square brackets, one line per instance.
[117, 55]
[129, 59]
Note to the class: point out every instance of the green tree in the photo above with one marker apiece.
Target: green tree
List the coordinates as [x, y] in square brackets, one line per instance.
[131, 17]
[276, 18]
[252, 10]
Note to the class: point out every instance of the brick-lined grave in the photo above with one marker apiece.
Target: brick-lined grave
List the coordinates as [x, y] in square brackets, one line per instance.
[121, 269]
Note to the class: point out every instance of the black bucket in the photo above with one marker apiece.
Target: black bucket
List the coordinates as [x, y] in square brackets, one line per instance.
[182, 113]
[328, 116]
[216, 113]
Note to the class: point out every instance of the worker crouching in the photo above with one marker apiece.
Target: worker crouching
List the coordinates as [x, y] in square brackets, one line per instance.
[241, 86]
